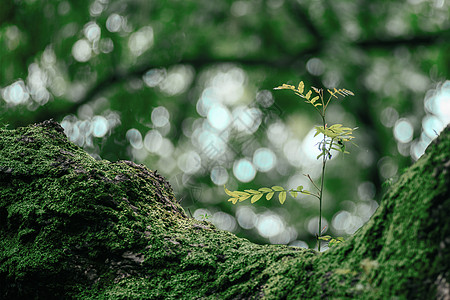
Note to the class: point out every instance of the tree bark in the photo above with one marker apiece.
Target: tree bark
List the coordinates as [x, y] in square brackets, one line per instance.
[74, 227]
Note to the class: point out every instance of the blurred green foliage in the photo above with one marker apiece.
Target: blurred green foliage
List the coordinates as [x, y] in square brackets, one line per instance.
[185, 87]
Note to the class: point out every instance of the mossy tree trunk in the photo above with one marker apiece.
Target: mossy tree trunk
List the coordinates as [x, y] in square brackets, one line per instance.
[73, 227]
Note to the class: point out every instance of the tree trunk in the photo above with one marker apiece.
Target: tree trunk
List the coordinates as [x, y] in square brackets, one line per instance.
[74, 227]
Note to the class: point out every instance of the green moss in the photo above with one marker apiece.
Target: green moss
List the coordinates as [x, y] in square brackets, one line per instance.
[73, 227]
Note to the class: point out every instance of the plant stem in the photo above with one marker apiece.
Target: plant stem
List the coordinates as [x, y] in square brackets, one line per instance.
[324, 161]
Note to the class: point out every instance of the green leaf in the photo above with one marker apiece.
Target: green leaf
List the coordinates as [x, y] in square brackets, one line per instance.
[314, 99]
[244, 197]
[253, 191]
[285, 87]
[265, 190]
[256, 198]
[269, 195]
[308, 95]
[301, 87]
[300, 188]
[233, 200]
[293, 193]
[277, 188]
[282, 197]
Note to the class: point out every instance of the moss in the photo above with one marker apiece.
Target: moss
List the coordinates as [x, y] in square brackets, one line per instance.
[73, 227]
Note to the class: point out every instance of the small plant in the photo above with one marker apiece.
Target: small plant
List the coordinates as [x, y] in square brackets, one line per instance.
[331, 240]
[204, 217]
[334, 138]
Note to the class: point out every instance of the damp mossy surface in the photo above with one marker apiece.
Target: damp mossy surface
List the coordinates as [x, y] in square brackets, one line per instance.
[72, 227]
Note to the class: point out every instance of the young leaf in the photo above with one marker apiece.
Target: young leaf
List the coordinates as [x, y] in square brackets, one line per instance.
[285, 87]
[300, 188]
[277, 188]
[244, 197]
[282, 197]
[314, 99]
[265, 190]
[269, 195]
[253, 191]
[233, 200]
[301, 87]
[256, 198]
[294, 194]
[230, 193]
[308, 95]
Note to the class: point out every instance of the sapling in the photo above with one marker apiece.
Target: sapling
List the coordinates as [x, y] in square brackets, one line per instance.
[335, 137]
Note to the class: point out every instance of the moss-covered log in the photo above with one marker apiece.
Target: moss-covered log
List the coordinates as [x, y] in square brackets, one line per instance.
[74, 227]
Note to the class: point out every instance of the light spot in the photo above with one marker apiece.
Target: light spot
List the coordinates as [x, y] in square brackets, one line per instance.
[92, 31]
[211, 145]
[189, 162]
[99, 126]
[269, 225]
[154, 77]
[240, 8]
[403, 130]
[387, 167]
[177, 80]
[201, 214]
[313, 225]
[153, 141]
[244, 170]
[106, 45]
[15, 93]
[277, 133]
[299, 243]
[166, 148]
[315, 66]
[246, 217]
[246, 119]
[141, 40]
[265, 98]
[432, 126]
[389, 116]
[219, 175]
[224, 221]
[366, 190]
[219, 117]
[114, 22]
[345, 222]
[264, 159]
[135, 138]
[160, 116]
[82, 51]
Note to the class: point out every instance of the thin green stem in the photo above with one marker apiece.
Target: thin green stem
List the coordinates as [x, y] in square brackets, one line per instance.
[324, 161]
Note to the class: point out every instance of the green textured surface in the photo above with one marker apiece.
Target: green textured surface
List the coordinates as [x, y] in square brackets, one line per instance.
[73, 227]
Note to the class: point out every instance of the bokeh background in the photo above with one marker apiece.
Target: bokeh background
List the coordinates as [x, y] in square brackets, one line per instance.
[186, 88]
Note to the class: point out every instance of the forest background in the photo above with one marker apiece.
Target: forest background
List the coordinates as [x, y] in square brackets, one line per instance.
[186, 88]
